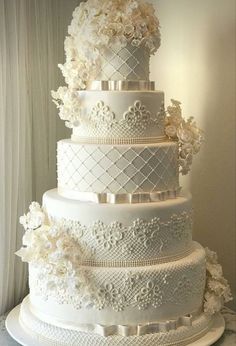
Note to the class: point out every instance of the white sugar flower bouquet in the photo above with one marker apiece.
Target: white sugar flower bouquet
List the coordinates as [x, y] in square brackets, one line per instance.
[69, 105]
[96, 26]
[47, 245]
[186, 132]
[217, 288]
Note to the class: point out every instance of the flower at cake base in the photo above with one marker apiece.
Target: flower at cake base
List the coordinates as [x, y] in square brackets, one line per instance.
[186, 133]
[217, 291]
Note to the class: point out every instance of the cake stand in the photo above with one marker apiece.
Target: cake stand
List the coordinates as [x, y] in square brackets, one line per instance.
[18, 333]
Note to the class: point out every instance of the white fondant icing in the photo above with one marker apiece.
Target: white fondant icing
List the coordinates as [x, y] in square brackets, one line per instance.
[55, 336]
[120, 114]
[117, 169]
[125, 269]
[126, 63]
[125, 232]
[121, 295]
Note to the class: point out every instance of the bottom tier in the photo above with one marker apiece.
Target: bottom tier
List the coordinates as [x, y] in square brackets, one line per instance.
[50, 335]
[108, 296]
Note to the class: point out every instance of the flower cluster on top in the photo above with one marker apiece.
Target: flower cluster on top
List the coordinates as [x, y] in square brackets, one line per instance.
[186, 132]
[217, 291]
[98, 24]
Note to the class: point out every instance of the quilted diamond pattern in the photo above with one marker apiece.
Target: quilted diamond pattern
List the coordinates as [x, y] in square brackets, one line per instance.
[121, 169]
[128, 63]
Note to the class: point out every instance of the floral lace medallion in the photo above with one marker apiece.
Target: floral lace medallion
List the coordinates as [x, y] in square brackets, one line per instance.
[55, 250]
[108, 235]
[137, 116]
[102, 121]
[47, 239]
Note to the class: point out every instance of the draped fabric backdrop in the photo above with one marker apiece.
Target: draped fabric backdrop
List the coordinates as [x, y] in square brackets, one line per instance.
[32, 33]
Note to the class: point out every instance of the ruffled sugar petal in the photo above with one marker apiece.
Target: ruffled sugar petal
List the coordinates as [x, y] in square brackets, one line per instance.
[190, 138]
[217, 291]
[96, 26]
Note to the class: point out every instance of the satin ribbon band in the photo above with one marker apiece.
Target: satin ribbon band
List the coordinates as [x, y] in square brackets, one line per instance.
[110, 85]
[117, 330]
[118, 141]
[123, 198]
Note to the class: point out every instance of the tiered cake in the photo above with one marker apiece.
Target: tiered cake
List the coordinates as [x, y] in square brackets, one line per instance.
[112, 261]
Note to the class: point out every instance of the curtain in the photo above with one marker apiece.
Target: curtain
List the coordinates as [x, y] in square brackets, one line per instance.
[32, 33]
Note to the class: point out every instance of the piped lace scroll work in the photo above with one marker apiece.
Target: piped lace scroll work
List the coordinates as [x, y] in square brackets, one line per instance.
[58, 241]
[136, 122]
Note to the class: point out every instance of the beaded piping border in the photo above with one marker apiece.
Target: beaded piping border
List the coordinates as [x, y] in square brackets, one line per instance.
[120, 85]
[134, 263]
[117, 330]
[118, 141]
[126, 198]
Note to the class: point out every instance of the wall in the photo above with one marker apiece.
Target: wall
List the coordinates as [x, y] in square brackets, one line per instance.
[196, 64]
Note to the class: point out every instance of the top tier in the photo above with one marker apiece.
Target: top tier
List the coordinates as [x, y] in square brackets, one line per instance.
[110, 40]
[128, 63]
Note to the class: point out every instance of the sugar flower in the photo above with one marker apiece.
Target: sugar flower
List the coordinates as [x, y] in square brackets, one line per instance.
[186, 132]
[98, 24]
[217, 288]
[34, 218]
[68, 103]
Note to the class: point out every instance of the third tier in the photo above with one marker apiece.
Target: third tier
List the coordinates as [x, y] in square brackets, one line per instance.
[86, 170]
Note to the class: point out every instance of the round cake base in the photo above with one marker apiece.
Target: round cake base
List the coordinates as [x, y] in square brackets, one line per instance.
[27, 338]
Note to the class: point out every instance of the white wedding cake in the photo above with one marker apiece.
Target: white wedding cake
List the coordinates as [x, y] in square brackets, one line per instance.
[110, 252]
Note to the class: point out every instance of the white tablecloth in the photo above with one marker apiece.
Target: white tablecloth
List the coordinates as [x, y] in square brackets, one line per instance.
[228, 339]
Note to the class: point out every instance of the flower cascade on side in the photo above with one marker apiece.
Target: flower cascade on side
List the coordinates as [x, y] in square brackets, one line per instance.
[57, 251]
[186, 132]
[96, 25]
[49, 246]
[217, 291]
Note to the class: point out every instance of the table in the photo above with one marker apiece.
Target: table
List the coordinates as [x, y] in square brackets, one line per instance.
[228, 339]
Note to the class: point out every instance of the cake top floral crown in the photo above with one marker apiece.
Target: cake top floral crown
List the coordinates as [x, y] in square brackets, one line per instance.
[98, 24]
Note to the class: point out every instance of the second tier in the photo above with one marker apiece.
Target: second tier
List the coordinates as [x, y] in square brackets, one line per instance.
[86, 170]
[125, 235]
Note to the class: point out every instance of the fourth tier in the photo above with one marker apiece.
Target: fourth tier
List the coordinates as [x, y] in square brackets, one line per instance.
[118, 174]
[124, 235]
